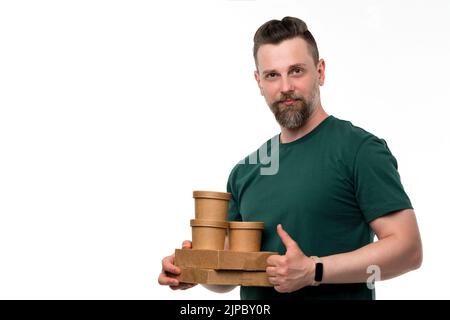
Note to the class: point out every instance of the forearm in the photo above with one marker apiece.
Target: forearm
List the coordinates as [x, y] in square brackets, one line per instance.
[221, 288]
[218, 288]
[391, 255]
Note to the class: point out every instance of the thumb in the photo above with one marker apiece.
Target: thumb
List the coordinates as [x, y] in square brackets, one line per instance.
[288, 242]
[186, 244]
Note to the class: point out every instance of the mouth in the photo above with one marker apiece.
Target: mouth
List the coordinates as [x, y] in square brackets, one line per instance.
[289, 102]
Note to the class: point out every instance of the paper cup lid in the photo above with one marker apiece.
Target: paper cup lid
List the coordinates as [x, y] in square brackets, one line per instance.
[246, 225]
[212, 195]
[209, 223]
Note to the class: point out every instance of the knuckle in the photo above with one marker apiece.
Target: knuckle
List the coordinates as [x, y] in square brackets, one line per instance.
[167, 264]
[162, 280]
[283, 272]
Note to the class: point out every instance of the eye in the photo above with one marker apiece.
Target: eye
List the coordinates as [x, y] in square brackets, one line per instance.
[297, 71]
[271, 75]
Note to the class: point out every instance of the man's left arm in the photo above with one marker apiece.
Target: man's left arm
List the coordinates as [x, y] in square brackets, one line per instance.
[397, 251]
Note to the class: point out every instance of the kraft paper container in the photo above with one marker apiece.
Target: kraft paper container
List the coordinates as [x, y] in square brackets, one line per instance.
[211, 205]
[245, 236]
[224, 277]
[222, 259]
[208, 234]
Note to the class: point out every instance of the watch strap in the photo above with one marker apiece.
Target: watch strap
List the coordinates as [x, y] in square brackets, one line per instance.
[319, 271]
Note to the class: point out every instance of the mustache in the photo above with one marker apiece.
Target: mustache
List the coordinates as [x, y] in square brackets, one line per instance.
[292, 96]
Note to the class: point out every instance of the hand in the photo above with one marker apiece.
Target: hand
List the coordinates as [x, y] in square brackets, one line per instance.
[169, 270]
[292, 271]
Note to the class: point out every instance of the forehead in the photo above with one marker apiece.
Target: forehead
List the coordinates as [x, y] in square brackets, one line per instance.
[284, 54]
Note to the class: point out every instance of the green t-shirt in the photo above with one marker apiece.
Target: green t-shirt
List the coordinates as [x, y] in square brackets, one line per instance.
[329, 185]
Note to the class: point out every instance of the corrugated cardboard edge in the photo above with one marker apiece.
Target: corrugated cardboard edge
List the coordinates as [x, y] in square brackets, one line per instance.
[224, 277]
[222, 259]
[197, 258]
[250, 261]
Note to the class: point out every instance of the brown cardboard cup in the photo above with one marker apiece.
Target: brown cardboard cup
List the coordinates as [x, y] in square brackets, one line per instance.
[210, 205]
[245, 236]
[208, 234]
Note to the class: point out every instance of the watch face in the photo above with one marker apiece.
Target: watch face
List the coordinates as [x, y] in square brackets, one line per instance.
[319, 272]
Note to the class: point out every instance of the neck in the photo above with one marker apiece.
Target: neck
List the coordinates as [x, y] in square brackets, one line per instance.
[289, 135]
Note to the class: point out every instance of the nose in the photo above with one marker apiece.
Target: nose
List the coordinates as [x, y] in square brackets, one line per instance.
[286, 85]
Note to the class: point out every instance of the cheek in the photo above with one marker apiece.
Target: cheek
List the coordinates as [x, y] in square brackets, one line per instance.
[302, 87]
[270, 92]
[305, 90]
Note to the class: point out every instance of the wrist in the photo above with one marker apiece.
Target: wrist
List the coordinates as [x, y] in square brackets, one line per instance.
[311, 271]
[318, 270]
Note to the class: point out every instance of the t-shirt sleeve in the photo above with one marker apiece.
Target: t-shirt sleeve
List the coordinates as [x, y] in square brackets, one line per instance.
[233, 205]
[378, 188]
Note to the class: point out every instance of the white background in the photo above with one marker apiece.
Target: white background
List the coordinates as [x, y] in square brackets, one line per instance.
[113, 112]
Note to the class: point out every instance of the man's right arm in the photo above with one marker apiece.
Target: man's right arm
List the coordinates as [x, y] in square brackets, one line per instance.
[220, 288]
[170, 271]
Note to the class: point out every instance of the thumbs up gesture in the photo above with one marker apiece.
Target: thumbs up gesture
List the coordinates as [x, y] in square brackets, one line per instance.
[291, 271]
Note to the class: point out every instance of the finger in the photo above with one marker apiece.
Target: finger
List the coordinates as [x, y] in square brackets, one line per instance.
[186, 244]
[182, 286]
[272, 280]
[273, 260]
[271, 271]
[168, 266]
[185, 286]
[174, 285]
[164, 280]
[279, 288]
[288, 242]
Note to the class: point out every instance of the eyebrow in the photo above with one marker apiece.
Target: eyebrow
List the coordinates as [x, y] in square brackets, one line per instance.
[290, 67]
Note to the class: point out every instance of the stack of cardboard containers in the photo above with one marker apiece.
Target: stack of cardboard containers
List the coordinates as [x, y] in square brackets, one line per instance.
[207, 262]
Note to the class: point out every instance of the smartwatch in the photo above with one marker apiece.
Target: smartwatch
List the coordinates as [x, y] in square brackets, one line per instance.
[319, 271]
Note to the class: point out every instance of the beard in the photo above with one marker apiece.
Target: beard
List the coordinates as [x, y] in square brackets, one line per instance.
[296, 115]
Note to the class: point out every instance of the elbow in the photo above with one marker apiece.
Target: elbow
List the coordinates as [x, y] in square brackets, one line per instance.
[417, 257]
[219, 288]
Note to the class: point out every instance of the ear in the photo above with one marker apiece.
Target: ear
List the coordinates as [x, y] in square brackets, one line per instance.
[258, 81]
[321, 71]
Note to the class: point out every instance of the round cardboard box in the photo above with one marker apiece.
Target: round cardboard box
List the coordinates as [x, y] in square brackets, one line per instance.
[245, 236]
[208, 234]
[210, 205]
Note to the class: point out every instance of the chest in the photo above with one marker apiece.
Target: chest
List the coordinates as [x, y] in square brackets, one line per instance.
[311, 195]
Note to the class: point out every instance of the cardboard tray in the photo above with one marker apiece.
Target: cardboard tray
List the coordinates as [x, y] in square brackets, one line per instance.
[224, 277]
[222, 259]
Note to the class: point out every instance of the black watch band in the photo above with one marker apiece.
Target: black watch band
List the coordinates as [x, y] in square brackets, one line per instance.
[319, 271]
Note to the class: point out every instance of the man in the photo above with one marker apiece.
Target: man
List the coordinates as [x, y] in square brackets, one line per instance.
[335, 186]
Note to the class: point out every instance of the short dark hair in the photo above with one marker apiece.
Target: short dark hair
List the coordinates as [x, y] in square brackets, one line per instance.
[276, 31]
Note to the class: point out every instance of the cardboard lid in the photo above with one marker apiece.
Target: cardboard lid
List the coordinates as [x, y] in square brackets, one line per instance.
[246, 225]
[212, 195]
[209, 223]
